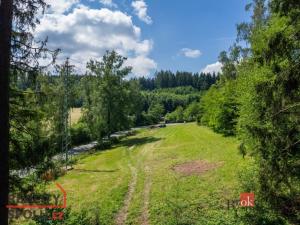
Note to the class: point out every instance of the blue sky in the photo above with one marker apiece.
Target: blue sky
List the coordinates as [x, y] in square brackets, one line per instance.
[207, 25]
[154, 35]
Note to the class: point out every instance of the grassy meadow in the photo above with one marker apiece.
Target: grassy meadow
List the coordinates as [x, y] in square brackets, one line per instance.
[136, 182]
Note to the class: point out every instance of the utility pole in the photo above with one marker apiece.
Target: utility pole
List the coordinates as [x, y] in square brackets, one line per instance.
[6, 11]
[66, 136]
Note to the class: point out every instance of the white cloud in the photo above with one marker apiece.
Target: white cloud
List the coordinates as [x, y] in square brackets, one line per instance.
[148, 64]
[213, 68]
[108, 3]
[86, 33]
[140, 9]
[60, 6]
[191, 53]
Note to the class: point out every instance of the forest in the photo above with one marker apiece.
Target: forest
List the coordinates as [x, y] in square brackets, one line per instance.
[245, 117]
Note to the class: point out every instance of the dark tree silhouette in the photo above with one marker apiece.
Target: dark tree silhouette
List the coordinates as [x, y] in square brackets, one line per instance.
[5, 55]
[19, 54]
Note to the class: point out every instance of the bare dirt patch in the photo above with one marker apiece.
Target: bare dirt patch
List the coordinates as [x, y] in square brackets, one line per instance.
[196, 167]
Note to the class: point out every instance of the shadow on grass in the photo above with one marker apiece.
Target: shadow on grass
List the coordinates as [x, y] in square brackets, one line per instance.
[126, 142]
[95, 171]
[137, 141]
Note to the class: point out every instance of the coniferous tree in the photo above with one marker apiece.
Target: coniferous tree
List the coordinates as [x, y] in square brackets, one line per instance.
[19, 56]
[269, 122]
[5, 55]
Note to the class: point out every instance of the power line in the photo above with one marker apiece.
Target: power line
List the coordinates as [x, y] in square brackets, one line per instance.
[65, 113]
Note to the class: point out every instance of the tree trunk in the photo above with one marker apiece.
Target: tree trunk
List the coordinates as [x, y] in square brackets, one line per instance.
[5, 51]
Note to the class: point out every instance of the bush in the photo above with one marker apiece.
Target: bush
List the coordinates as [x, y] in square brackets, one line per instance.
[80, 134]
[263, 212]
[176, 116]
[191, 112]
[220, 108]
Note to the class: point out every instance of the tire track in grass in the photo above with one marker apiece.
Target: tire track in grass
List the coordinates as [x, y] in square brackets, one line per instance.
[146, 198]
[147, 152]
[123, 213]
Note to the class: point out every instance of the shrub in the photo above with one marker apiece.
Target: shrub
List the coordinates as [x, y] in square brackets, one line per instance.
[80, 134]
[176, 116]
[263, 212]
[191, 112]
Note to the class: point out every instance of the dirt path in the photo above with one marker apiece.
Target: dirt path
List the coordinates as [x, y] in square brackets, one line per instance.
[122, 214]
[148, 152]
[146, 198]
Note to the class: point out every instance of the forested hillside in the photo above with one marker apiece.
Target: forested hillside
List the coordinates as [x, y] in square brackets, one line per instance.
[168, 79]
[257, 99]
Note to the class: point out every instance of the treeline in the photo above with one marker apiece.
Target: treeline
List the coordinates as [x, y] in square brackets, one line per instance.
[168, 79]
[109, 103]
[112, 103]
[159, 85]
[258, 99]
[158, 103]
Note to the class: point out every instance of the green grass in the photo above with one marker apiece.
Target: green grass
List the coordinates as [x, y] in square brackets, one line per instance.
[176, 199]
[101, 179]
